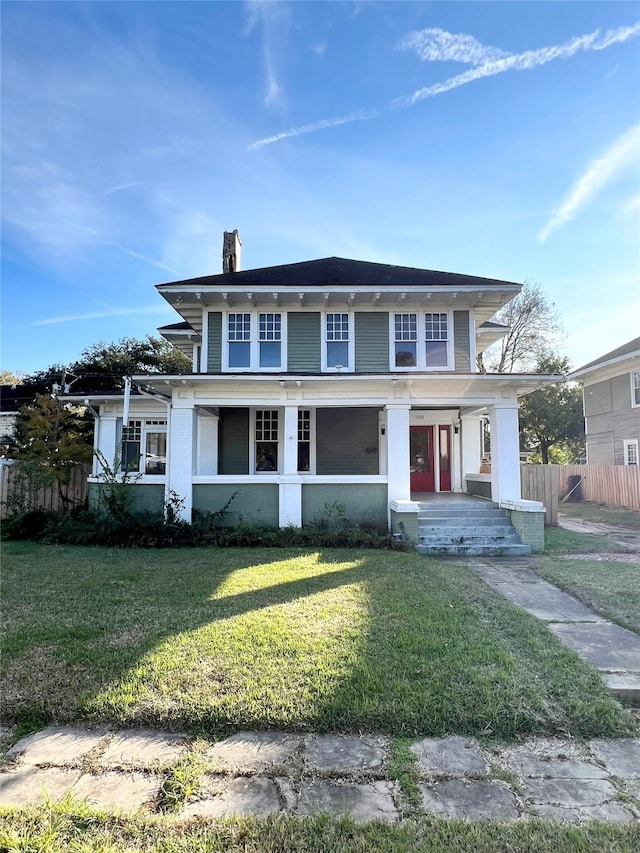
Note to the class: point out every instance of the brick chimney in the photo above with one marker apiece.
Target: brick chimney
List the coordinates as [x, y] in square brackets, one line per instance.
[231, 247]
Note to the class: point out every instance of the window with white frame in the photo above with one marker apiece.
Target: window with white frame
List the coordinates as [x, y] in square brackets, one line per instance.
[270, 337]
[248, 349]
[436, 337]
[631, 452]
[266, 441]
[304, 439]
[406, 340]
[635, 388]
[337, 341]
[239, 340]
[144, 446]
[421, 341]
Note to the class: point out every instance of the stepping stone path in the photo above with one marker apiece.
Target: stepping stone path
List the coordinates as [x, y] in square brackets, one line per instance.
[262, 773]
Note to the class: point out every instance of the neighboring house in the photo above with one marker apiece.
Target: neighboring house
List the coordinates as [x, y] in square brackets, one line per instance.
[328, 385]
[12, 399]
[611, 395]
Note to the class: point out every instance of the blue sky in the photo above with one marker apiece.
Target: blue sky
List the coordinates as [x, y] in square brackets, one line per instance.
[497, 139]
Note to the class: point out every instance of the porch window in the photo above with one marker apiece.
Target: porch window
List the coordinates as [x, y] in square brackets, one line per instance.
[635, 388]
[304, 439]
[270, 339]
[266, 439]
[150, 435]
[406, 340]
[435, 340]
[631, 452]
[337, 340]
[239, 340]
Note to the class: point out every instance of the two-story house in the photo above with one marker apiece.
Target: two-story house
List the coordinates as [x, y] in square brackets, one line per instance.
[611, 399]
[327, 383]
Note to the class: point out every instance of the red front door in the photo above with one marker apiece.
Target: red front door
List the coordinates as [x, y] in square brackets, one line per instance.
[444, 457]
[421, 458]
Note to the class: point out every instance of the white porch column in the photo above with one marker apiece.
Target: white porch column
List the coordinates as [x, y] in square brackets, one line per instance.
[505, 451]
[105, 441]
[471, 445]
[290, 488]
[180, 452]
[398, 475]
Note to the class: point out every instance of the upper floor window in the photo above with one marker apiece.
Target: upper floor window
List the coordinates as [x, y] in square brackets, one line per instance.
[436, 340]
[239, 340]
[406, 340]
[427, 350]
[247, 350]
[635, 388]
[337, 342]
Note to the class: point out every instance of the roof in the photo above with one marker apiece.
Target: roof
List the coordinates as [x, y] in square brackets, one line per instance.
[14, 397]
[631, 348]
[337, 272]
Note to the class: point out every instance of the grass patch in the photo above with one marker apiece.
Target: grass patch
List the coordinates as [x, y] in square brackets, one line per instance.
[557, 540]
[612, 587]
[72, 826]
[602, 513]
[218, 640]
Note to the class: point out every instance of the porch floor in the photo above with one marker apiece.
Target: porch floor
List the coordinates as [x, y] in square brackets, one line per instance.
[447, 497]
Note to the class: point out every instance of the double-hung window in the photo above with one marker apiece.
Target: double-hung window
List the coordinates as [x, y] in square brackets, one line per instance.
[254, 341]
[420, 341]
[406, 340]
[635, 388]
[435, 340]
[270, 340]
[239, 340]
[337, 342]
[266, 446]
[304, 439]
[144, 446]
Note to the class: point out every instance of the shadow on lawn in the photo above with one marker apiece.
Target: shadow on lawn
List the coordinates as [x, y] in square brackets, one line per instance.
[363, 641]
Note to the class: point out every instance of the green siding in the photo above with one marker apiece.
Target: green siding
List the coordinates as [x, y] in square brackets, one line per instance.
[303, 341]
[214, 342]
[145, 497]
[343, 437]
[372, 342]
[233, 441]
[361, 502]
[256, 503]
[461, 340]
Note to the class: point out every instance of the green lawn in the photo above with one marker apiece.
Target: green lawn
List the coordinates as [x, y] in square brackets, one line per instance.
[62, 829]
[602, 513]
[611, 586]
[218, 640]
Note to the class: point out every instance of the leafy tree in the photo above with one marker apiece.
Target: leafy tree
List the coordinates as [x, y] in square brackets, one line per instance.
[533, 323]
[52, 437]
[551, 420]
[101, 367]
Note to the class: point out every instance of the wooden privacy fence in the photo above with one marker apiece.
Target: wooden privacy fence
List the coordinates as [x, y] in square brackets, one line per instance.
[617, 485]
[12, 481]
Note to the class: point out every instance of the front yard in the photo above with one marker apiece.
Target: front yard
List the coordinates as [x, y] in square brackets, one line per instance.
[218, 640]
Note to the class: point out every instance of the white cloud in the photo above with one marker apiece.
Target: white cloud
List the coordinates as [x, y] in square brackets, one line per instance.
[525, 61]
[272, 18]
[116, 312]
[436, 45]
[631, 206]
[620, 155]
[320, 48]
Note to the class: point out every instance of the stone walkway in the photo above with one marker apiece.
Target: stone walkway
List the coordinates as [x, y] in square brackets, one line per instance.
[265, 772]
[615, 651]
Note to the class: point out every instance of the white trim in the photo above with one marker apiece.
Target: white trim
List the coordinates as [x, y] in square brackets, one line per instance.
[272, 477]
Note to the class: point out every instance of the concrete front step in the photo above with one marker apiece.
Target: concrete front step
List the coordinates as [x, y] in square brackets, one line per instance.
[492, 550]
[462, 529]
